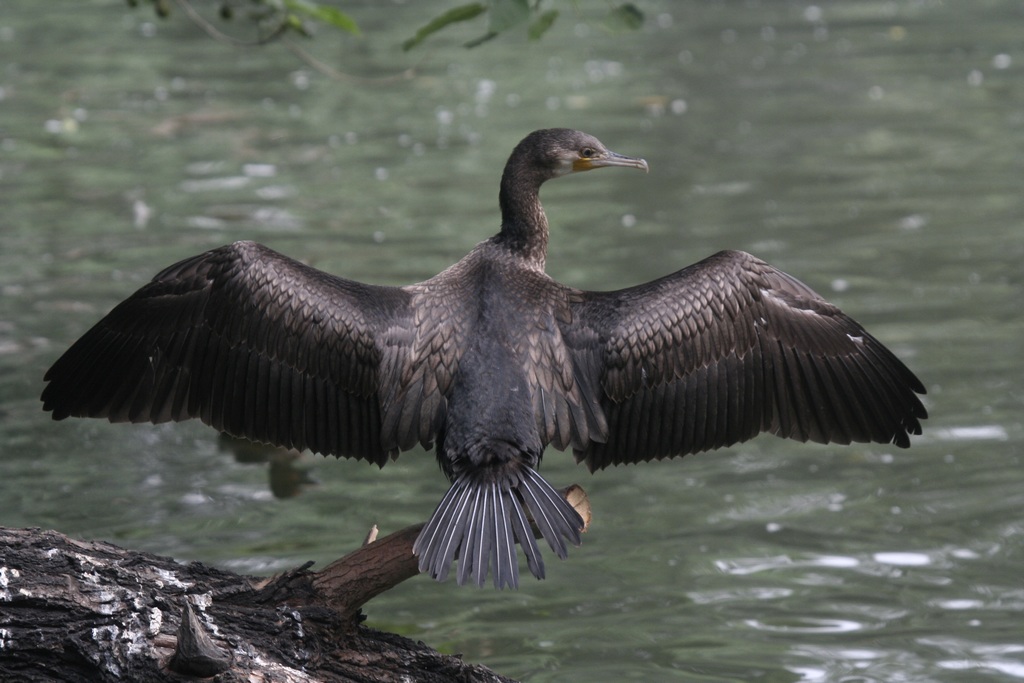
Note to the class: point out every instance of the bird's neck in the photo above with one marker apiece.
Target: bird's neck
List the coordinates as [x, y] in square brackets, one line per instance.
[524, 227]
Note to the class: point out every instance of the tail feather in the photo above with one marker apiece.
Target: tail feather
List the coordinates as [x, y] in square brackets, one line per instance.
[521, 528]
[548, 508]
[437, 542]
[472, 556]
[506, 564]
[479, 523]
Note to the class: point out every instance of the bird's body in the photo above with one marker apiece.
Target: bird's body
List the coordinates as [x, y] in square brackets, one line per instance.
[491, 361]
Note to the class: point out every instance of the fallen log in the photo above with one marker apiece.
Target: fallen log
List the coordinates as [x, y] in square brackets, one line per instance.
[75, 610]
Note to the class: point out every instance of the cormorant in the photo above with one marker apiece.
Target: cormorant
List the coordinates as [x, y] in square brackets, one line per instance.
[492, 360]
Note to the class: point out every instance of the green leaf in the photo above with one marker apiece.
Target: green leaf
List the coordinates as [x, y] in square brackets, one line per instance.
[481, 40]
[625, 17]
[542, 23]
[452, 16]
[328, 15]
[293, 22]
[504, 14]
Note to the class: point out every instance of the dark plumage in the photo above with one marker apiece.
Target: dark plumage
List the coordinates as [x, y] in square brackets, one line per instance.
[492, 361]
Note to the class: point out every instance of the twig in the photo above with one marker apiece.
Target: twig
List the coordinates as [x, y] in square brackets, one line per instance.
[314, 63]
[219, 35]
[348, 583]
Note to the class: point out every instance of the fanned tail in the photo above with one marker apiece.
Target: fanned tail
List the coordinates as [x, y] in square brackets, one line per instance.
[480, 520]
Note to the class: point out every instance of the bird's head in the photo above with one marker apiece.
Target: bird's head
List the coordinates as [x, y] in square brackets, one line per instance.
[560, 151]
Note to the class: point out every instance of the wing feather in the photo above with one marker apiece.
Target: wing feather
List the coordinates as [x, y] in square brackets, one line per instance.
[252, 343]
[725, 349]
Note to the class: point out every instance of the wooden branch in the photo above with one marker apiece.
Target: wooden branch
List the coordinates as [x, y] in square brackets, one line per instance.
[348, 583]
[196, 654]
[78, 610]
[89, 611]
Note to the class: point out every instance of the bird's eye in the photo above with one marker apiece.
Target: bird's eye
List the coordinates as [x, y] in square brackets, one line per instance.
[587, 152]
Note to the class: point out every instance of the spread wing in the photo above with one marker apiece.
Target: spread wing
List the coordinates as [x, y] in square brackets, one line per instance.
[725, 349]
[256, 345]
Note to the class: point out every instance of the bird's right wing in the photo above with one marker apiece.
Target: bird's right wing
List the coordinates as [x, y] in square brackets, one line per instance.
[714, 354]
[254, 344]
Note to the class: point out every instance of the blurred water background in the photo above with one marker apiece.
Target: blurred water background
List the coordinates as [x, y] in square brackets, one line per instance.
[874, 149]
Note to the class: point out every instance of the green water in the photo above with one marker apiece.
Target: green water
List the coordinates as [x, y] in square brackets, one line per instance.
[873, 149]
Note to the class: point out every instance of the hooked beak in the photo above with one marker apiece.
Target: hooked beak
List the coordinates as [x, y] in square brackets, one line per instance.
[609, 159]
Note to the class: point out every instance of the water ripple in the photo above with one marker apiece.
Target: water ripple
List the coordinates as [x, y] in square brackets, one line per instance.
[903, 559]
[744, 566]
[808, 626]
[710, 597]
[971, 433]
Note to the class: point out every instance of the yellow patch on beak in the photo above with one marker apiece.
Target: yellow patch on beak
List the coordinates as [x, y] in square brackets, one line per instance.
[582, 165]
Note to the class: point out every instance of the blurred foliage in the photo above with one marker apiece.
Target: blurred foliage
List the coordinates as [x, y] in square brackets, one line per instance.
[275, 18]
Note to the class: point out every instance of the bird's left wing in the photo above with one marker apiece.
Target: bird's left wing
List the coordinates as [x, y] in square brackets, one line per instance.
[251, 342]
[718, 352]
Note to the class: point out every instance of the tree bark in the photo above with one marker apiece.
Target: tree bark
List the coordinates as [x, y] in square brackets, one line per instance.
[90, 611]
